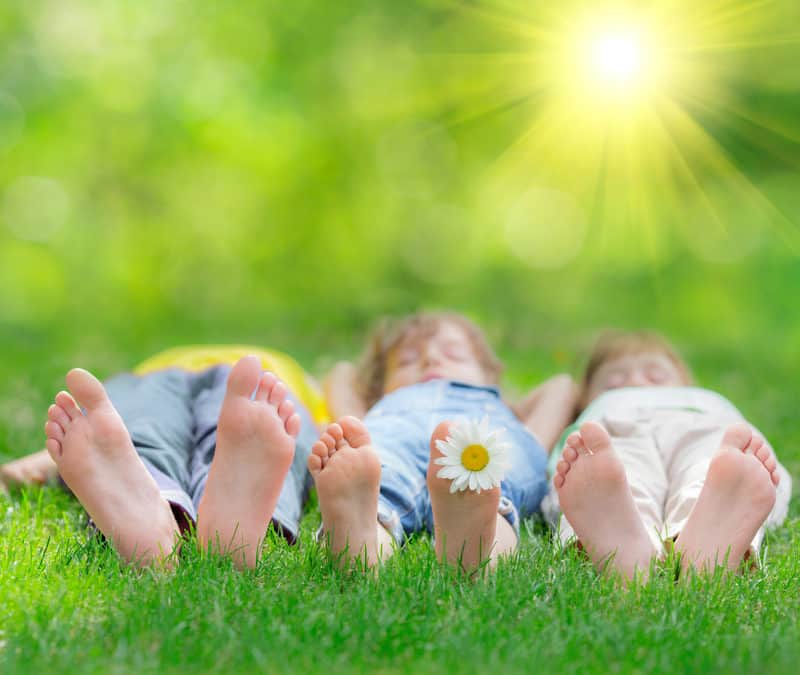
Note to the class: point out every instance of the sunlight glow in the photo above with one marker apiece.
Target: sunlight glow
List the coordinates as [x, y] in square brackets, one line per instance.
[633, 111]
[616, 57]
[601, 62]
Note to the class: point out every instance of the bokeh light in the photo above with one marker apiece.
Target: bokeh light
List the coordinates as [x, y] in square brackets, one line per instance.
[34, 208]
[545, 228]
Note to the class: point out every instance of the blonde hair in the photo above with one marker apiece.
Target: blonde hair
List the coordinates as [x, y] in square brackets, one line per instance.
[390, 333]
[613, 344]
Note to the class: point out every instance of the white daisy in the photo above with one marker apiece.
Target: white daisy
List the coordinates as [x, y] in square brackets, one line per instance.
[474, 457]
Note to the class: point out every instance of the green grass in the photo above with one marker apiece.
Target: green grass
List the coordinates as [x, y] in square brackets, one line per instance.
[282, 173]
[67, 604]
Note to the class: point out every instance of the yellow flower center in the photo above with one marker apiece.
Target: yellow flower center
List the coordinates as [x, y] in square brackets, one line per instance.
[475, 457]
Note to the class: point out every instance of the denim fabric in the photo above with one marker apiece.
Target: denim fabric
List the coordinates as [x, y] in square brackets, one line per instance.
[172, 416]
[401, 425]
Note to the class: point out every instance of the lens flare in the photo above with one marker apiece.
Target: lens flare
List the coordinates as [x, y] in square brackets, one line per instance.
[634, 110]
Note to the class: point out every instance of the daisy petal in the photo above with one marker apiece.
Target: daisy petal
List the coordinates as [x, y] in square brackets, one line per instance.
[449, 472]
[484, 481]
[447, 461]
[466, 432]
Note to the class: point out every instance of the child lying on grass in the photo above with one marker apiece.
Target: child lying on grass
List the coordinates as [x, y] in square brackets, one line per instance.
[140, 458]
[655, 461]
[225, 447]
[378, 480]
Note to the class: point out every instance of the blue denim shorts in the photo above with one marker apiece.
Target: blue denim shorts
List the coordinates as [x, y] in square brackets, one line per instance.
[401, 425]
[172, 415]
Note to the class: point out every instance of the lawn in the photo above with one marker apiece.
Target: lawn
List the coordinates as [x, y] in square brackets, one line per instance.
[68, 604]
[283, 174]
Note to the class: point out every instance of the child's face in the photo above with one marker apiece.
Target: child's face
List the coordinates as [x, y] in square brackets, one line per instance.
[646, 369]
[446, 354]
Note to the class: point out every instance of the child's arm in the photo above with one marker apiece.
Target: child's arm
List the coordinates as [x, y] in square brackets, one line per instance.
[547, 410]
[36, 468]
[342, 393]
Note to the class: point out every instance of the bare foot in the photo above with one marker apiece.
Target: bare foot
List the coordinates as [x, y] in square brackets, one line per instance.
[467, 528]
[596, 499]
[97, 460]
[347, 473]
[35, 469]
[736, 499]
[255, 448]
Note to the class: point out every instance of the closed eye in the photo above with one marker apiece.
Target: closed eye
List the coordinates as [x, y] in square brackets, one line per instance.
[407, 356]
[657, 375]
[456, 351]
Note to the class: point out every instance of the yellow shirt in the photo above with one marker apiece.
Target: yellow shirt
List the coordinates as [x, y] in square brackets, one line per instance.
[200, 357]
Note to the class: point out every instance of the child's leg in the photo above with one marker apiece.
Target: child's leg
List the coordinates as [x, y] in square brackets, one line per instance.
[97, 460]
[468, 529]
[597, 501]
[35, 469]
[689, 442]
[157, 411]
[347, 473]
[255, 444]
[726, 515]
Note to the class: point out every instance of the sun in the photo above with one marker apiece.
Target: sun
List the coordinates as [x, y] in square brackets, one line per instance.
[622, 123]
[616, 57]
[610, 61]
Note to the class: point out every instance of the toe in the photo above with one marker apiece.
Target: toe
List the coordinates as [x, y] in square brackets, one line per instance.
[595, 437]
[65, 401]
[286, 410]
[761, 451]
[278, 393]
[558, 481]
[563, 467]
[54, 448]
[577, 446]
[354, 431]
[335, 430]
[293, 425]
[570, 454]
[86, 388]
[320, 450]
[770, 464]
[314, 464]
[245, 376]
[737, 437]
[329, 442]
[265, 385]
[57, 414]
[53, 430]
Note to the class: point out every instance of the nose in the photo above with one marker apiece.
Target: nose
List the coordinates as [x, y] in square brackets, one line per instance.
[431, 356]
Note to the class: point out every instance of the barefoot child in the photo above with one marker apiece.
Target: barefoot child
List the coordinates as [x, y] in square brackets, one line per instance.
[655, 460]
[182, 441]
[377, 479]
